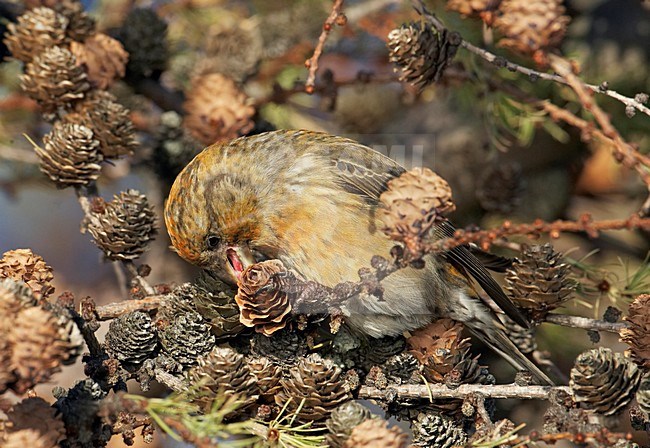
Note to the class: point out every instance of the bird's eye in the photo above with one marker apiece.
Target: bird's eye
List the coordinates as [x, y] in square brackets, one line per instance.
[212, 241]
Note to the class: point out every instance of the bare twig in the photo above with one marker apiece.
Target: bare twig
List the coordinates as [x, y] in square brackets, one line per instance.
[625, 153]
[169, 380]
[500, 61]
[441, 391]
[585, 323]
[312, 62]
[117, 309]
[584, 224]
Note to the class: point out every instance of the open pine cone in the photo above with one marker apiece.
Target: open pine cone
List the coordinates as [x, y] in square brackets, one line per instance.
[539, 282]
[531, 26]
[40, 343]
[131, 338]
[223, 373]
[70, 155]
[103, 58]
[434, 430]
[317, 384]
[217, 110]
[54, 80]
[267, 376]
[637, 335]
[34, 32]
[604, 381]
[213, 301]
[343, 420]
[24, 265]
[412, 203]
[421, 53]
[376, 433]
[265, 309]
[125, 226]
[475, 8]
[110, 122]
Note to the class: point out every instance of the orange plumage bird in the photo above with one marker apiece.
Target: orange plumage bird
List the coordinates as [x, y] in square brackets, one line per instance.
[309, 199]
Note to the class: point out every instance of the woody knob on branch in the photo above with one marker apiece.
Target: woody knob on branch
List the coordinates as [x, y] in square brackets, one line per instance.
[262, 304]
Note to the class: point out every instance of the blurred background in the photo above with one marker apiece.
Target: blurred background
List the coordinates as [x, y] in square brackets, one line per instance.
[503, 159]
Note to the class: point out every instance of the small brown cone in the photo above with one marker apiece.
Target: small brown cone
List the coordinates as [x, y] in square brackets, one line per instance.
[413, 203]
[14, 297]
[531, 26]
[223, 373]
[484, 9]
[421, 53]
[343, 420]
[637, 335]
[604, 381]
[34, 32]
[103, 58]
[267, 377]
[539, 281]
[445, 358]
[37, 415]
[434, 430]
[267, 310]
[316, 386]
[80, 24]
[375, 433]
[110, 122]
[38, 349]
[70, 155]
[131, 338]
[125, 226]
[24, 265]
[54, 80]
[217, 110]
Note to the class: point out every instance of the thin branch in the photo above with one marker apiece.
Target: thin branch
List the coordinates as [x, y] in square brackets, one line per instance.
[117, 309]
[585, 224]
[625, 153]
[441, 391]
[312, 62]
[500, 61]
[585, 323]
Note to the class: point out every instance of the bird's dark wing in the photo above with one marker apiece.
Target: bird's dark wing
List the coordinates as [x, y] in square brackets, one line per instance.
[361, 170]
[465, 261]
[494, 263]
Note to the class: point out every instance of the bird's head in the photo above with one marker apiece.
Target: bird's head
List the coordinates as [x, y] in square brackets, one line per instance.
[212, 216]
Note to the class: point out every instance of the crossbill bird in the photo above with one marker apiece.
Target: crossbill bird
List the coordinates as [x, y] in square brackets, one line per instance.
[309, 199]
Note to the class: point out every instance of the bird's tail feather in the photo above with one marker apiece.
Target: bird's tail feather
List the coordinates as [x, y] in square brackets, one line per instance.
[497, 340]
